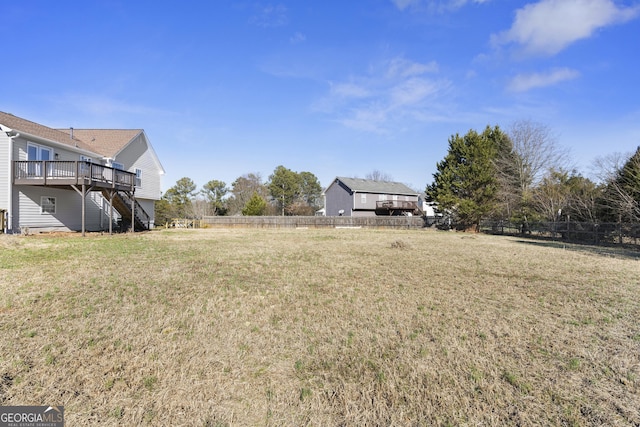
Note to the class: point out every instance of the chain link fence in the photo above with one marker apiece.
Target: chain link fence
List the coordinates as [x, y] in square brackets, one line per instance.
[594, 233]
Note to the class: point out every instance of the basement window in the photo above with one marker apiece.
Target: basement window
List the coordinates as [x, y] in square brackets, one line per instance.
[47, 205]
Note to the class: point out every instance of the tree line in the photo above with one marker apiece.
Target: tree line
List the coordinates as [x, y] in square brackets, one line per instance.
[284, 193]
[524, 176]
[521, 175]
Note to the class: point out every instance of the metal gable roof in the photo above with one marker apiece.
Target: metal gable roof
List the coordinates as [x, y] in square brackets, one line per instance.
[381, 187]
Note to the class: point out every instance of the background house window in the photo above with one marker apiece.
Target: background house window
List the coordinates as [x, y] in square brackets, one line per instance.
[47, 205]
[363, 198]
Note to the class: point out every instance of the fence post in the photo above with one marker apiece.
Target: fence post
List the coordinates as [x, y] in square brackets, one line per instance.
[620, 229]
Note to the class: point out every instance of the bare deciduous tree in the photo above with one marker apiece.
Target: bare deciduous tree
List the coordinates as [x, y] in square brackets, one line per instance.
[533, 155]
[242, 190]
[537, 153]
[377, 175]
[621, 175]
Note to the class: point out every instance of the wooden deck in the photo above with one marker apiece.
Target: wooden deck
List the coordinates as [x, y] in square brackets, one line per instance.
[396, 207]
[61, 174]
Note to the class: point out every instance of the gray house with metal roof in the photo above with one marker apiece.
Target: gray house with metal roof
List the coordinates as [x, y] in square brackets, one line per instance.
[365, 197]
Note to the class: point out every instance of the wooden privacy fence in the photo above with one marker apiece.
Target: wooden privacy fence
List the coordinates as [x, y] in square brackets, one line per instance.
[397, 222]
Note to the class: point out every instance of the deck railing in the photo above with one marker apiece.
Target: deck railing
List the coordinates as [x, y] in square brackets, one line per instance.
[61, 172]
[396, 205]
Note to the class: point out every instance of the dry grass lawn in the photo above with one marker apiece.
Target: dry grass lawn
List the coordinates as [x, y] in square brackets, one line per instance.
[319, 327]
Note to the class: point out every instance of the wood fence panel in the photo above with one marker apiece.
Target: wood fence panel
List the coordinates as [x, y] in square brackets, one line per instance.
[397, 222]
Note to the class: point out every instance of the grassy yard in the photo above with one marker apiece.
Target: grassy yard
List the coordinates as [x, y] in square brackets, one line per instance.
[319, 327]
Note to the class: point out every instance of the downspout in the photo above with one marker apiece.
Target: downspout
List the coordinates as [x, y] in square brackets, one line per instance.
[9, 226]
[353, 208]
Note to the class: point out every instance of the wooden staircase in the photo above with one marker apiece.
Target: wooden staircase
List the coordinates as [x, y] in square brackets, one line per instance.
[122, 203]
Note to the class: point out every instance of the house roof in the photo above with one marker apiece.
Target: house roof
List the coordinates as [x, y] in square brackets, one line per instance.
[105, 142]
[371, 186]
[18, 124]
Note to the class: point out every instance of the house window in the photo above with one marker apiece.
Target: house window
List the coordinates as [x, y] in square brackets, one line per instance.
[382, 197]
[47, 205]
[117, 165]
[38, 152]
[84, 168]
[138, 177]
[363, 198]
[395, 198]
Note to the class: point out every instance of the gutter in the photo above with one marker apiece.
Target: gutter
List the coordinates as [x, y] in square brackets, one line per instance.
[18, 134]
[9, 225]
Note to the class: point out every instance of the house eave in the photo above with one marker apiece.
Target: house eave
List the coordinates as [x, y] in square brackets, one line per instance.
[155, 157]
[35, 138]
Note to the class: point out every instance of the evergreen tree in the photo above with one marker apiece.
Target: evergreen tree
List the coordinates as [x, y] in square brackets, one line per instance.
[214, 191]
[256, 206]
[284, 187]
[179, 197]
[466, 181]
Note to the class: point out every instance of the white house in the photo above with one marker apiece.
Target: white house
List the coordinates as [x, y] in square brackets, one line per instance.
[75, 179]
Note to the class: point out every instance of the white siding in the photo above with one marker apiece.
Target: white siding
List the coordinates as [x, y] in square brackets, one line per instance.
[149, 207]
[137, 155]
[5, 171]
[68, 214]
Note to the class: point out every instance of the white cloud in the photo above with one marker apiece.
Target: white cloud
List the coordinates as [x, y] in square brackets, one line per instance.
[525, 82]
[298, 37]
[386, 96]
[100, 105]
[435, 5]
[411, 92]
[270, 16]
[403, 4]
[549, 26]
[349, 90]
[404, 68]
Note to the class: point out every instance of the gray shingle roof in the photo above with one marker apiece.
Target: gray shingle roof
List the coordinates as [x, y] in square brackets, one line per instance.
[382, 187]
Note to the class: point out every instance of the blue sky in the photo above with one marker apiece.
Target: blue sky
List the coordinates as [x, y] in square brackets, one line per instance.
[336, 88]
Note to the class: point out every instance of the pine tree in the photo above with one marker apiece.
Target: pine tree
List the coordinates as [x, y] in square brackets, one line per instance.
[256, 206]
[466, 181]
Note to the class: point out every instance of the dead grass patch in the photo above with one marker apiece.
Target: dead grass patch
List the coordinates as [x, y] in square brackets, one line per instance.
[318, 327]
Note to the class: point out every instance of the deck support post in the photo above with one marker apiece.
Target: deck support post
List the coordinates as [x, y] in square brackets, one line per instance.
[83, 190]
[111, 193]
[133, 212]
